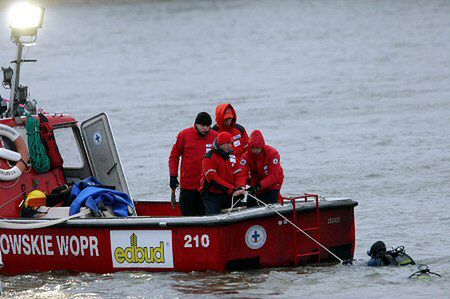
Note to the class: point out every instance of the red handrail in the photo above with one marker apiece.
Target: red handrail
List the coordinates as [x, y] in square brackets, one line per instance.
[295, 219]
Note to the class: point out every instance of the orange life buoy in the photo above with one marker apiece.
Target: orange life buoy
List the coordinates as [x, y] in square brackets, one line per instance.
[21, 156]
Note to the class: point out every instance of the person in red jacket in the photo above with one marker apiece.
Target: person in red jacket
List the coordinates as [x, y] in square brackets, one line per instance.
[226, 122]
[262, 163]
[222, 177]
[191, 144]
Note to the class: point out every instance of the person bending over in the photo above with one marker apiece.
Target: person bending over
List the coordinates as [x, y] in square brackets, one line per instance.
[261, 163]
[222, 177]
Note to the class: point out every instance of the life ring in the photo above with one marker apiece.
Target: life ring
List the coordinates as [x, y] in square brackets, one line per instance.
[21, 156]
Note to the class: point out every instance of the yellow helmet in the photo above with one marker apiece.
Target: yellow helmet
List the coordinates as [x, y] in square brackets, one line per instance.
[36, 198]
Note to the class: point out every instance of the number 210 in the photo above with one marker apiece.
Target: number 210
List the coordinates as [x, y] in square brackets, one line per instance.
[202, 241]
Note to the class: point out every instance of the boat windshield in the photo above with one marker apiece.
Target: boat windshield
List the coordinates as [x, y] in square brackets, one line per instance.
[69, 148]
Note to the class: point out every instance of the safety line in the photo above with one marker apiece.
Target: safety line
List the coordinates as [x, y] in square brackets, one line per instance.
[302, 231]
[13, 225]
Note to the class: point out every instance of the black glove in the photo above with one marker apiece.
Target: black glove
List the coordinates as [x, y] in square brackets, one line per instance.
[174, 182]
[254, 190]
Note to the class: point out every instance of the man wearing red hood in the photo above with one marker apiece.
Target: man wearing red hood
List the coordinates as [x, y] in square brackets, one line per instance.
[191, 144]
[226, 122]
[262, 163]
[222, 177]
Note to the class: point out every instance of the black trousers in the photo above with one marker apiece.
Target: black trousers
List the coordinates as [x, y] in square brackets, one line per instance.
[215, 202]
[268, 197]
[191, 203]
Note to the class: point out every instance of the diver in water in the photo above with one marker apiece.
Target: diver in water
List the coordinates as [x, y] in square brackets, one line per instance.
[395, 257]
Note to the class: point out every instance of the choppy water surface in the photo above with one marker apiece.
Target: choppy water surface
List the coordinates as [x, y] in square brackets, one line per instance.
[354, 94]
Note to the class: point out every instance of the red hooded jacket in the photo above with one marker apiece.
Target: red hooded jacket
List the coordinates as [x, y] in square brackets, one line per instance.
[240, 137]
[265, 168]
[191, 146]
[221, 173]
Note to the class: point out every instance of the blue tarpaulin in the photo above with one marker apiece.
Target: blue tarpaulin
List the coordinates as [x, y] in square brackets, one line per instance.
[89, 193]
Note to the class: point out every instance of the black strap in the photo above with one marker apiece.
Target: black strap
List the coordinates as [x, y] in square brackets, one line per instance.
[241, 129]
[21, 160]
[208, 154]
[238, 126]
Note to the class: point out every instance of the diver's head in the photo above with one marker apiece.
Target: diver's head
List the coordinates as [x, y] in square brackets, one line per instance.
[378, 249]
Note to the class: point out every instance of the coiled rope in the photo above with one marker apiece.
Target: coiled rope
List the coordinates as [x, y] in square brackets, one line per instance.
[38, 156]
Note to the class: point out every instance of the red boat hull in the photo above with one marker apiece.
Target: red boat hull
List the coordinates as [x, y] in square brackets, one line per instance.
[251, 238]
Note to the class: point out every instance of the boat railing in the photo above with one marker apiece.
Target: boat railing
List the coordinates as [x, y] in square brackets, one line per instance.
[301, 198]
[309, 230]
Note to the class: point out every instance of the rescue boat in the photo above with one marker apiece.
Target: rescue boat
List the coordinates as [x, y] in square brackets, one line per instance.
[154, 236]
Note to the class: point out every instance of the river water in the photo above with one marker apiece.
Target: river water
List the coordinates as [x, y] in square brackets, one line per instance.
[354, 94]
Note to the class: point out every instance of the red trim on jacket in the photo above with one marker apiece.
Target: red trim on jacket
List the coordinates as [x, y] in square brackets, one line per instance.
[225, 172]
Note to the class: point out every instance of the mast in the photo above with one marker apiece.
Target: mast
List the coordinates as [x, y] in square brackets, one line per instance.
[25, 20]
[13, 102]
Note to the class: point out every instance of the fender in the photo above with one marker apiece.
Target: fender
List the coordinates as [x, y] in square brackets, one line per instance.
[21, 156]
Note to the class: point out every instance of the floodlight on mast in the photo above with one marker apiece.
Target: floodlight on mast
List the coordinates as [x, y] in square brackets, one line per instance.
[24, 20]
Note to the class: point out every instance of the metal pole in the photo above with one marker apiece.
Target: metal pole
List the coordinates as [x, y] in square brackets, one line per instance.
[15, 82]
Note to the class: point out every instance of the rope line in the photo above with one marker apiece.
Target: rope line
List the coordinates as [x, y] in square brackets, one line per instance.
[21, 193]
[38, 155]
[14, 225]
[235, 203]
[298, 228]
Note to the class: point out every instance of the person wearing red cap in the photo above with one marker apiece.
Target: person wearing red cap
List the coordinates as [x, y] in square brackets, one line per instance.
[262, 163]
[222, 177]
[191, 145]
[226, 122]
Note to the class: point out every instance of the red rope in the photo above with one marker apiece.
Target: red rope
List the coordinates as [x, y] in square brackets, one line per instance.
[49, 141]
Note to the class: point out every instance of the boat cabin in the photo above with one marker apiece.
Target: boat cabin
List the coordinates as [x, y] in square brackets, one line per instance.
[87, 150]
